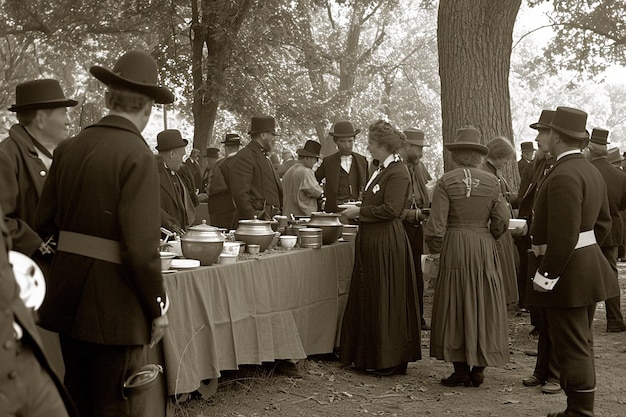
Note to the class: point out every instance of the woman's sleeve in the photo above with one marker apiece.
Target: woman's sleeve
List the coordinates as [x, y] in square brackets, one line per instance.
[499, 216]
[436, 226]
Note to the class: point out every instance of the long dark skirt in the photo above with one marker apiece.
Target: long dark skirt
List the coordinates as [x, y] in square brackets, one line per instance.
[381, 324]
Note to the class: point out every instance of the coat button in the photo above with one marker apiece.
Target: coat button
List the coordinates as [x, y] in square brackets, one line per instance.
[13, 374]
[8, 344]
[42, 173]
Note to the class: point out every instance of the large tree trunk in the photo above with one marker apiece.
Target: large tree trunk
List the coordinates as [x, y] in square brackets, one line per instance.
[474, 41]
[215, 26]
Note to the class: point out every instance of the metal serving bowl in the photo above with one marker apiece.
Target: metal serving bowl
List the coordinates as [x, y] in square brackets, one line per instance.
[203, 242]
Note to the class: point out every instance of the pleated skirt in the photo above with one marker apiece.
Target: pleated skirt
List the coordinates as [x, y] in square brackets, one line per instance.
[509, 262]
[469, 320]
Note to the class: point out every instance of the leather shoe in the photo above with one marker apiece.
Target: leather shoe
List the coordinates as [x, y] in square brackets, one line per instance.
[532, 381]
[456, 379]
[394, 370]
[551, 388]
[616, 329]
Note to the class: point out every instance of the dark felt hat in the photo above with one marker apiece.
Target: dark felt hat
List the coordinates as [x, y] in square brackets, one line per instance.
[544, 120]
[570, 122]
[311, 148]
[170, 139]
[261, 124]
[232, 139]
[40, 94]
[343, 129]
[527, 146]
[600, 136]
[468, 138]
[613, 156]
[135, 71]
[212, 153]
[414, 136]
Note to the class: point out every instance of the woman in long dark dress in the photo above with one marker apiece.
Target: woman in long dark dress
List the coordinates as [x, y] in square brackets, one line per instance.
[500, 152]
[381, 324]
[468, 214]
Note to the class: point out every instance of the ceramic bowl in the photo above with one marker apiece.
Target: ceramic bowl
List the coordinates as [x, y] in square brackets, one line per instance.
[288, 242]
[231, 248]
[166, 260]
[227, 259]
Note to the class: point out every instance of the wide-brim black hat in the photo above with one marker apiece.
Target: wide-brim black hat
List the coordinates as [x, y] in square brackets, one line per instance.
[262, 124]
[343, 129]
[570, 122]
[135, 71]
[415, 137]
[232, 139]
[311, 148]
[468, 138]
[40, 94]
[170, 139]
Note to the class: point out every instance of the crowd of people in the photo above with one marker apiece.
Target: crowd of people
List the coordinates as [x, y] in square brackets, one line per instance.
[89, 212]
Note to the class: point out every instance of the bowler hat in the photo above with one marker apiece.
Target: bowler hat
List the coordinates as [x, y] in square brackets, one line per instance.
[40, 94]
[600, 136]
[544, 120]
[212, 153]
[261, 124]
[136, 71]
[570, 122]
[232, 139]
[614, 156]
[311, 148]
[527, 146]
[343, 129]
[414, 136]
[467, 138]
[170, 139]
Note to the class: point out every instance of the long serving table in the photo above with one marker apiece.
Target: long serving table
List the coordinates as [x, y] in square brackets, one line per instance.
[284, 305]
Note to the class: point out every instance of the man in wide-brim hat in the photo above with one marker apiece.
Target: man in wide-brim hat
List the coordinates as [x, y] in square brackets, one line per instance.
[106, 297]
[222, 211]
[300, 186]
[345, 172]
[254, 183]
[571, 216]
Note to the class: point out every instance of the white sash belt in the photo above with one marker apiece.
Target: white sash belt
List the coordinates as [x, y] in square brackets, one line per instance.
[587, 238]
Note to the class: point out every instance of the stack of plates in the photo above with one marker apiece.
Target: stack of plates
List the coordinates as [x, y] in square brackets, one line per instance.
[185, 263]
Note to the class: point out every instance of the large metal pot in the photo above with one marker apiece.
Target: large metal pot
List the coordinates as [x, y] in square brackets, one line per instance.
[330, 225]
[203, 242]
[255, 232]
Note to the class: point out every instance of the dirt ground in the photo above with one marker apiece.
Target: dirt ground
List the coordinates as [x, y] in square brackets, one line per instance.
[328, 389]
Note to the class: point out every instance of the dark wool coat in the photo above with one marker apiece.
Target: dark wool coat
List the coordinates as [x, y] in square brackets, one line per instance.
[572, 199]
[615, 180]
[104, 183]
[254, 182]
[22, 175]
[329, 169]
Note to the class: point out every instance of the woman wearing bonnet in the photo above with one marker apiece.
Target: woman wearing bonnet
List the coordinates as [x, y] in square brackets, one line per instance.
[381, 325]
[468, 214]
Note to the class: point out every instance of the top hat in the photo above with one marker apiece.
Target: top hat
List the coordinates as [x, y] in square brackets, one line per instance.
[260, 124]
[600, 136]
[212, 153]
[311, 148]
[527, 146]
[570, 122]
[414, 136]
[343, 129]
[40, 94]
[170, 139]
[232, 139]
[468, 138]
[135, 71]
[544, 120]
[614, 156]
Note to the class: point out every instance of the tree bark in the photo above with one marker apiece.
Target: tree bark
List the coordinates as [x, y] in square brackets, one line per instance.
[474, 42]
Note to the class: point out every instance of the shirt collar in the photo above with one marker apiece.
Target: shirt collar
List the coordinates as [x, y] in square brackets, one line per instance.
[570, 152]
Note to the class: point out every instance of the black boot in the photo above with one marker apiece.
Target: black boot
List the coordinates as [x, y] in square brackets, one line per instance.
[461, 376]
[477, 376]
[580, 403]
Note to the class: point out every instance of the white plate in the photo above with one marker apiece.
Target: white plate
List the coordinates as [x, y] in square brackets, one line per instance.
[185, 263]
[29, 278]
[169, 271]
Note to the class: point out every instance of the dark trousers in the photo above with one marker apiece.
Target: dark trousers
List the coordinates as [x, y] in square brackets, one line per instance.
[614, 318]
[415, 233]
[570, 331]
[546, 368]
[31, 392]
[95, 374]
[524, 283]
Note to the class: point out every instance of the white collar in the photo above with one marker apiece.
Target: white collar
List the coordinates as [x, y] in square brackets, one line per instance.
[570, 152]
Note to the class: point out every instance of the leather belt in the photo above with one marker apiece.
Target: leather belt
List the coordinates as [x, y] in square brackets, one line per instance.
[90, 246]
[587, 238]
